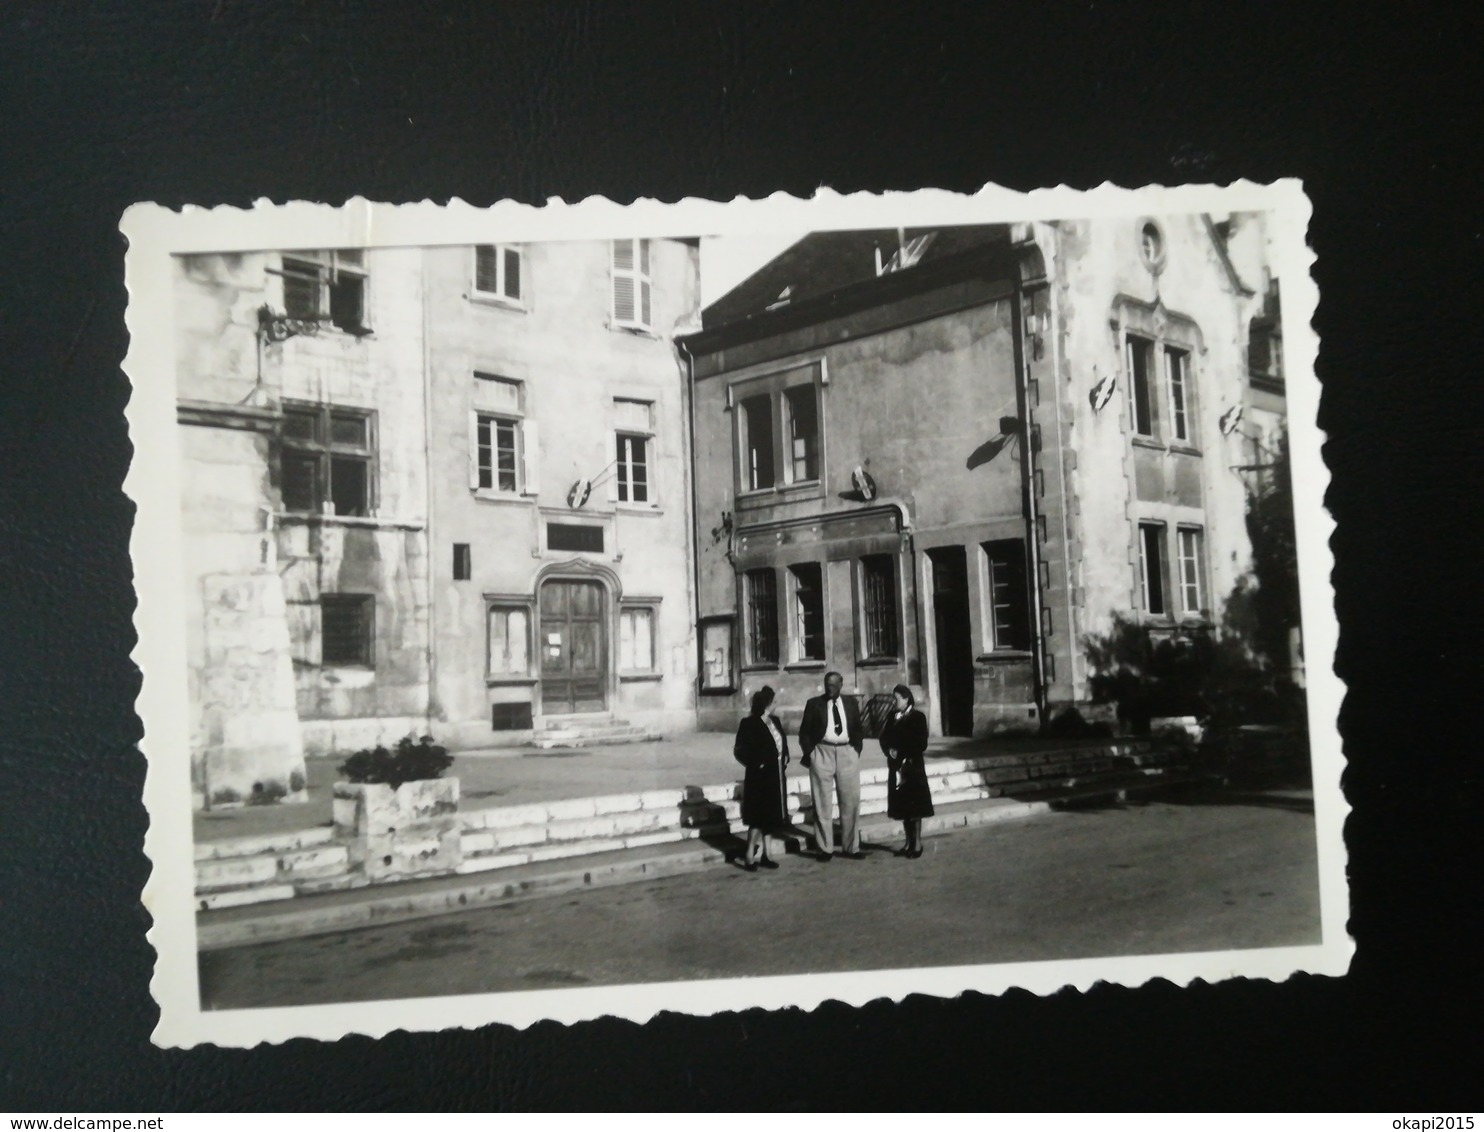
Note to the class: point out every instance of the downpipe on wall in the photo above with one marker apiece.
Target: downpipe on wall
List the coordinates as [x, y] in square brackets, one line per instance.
[1029, 503]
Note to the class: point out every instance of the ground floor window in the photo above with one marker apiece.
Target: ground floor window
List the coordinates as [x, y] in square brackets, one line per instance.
[1192, 568]
[1151, 569]
[1009, 620]
[878, 591]
[347, 630]
[636, 639]
[761, 595]
[509, 640]
[807, 583]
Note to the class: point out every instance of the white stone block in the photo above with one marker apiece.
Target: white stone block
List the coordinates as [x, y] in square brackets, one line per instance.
[570, 808]
[641, 821]
[321, 859]
[617, 804]
[483, 842]
[232, 873]
[261, 895]
[503, 817]
[508, 838]
[664, 837]
[582, 829]
[661, 799]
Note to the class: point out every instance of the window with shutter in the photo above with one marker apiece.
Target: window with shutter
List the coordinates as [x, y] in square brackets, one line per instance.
[632, 302]
[498, 271]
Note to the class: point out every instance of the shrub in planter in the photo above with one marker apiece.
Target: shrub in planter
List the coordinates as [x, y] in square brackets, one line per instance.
[398, 816]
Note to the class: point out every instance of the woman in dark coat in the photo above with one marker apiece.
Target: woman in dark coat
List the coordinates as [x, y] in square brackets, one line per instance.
[904, 740]
[762, 748]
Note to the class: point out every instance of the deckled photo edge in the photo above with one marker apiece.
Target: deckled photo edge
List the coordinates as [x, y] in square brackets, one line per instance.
[155, 234]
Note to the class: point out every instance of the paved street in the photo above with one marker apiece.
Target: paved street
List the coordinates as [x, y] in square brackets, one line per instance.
[1163, 877]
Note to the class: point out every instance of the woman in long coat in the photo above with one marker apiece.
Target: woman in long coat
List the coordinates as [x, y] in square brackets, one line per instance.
[904, 740]
[762, 747]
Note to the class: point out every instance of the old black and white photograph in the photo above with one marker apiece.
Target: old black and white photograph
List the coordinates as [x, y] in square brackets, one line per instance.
[585, 610]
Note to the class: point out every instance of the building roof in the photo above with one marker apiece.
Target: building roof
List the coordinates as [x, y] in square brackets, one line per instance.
[826, 270]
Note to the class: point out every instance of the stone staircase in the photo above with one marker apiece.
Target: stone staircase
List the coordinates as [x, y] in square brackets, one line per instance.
[274, 867]
[575, 731]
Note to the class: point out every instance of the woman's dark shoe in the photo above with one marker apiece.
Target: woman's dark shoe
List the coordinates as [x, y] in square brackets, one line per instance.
[904, 851]
[915, 853]
[767, 863]
[745, 865]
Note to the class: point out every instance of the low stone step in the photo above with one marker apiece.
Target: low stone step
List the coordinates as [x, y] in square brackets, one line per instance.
[266, 843]
[223, 873]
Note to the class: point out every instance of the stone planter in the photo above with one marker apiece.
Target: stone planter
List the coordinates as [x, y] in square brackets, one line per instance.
[409, 831]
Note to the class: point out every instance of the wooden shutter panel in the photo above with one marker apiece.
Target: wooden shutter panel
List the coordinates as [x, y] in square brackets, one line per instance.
[531, 456]
[623, 255]
[512, 273]
[644, 312]
[473, 450]
[623, 298]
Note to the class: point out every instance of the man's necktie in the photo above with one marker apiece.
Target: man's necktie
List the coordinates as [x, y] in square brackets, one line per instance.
[835, 708]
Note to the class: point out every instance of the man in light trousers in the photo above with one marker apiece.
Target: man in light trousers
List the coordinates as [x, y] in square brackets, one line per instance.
[831, 738]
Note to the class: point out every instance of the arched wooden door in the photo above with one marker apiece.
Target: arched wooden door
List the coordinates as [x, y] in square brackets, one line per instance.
[574, 647]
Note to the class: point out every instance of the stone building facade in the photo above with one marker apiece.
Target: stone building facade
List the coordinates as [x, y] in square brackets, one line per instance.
[378, 454]
[952, 458]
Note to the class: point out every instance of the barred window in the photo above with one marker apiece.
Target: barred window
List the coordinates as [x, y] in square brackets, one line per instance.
[762, 616]
[879, 605]
[346, 629]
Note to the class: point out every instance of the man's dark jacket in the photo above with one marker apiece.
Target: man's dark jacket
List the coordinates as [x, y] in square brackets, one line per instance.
[816, 722]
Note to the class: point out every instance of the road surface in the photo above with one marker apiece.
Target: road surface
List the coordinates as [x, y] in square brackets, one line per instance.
[1130, 880]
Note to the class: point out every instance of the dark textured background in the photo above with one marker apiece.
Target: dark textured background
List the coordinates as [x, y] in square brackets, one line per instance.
[225, 101]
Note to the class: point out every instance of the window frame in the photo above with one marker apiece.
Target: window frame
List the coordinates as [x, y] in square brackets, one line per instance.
[505, 605]
[780, 389]
[650, 606]
[1200, 611]
[751, 609]
[639, 273]
[1182, 409]
[325, 268]
[325, 450]
[501, 295]
[1001, 638]
[527, 448]
[1157, 531]
[365, 606]
[866, 654]
[1139, 345]
[622, 482]
[798, 634]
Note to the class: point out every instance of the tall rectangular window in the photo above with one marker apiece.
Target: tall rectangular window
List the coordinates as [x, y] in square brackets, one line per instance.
[1176, 363]
[631, 284]
[1192, 569]
[1009, 602]
[757, 443]
[497, 271]
[879, 605]
[808, 611]
[327, 286]
[1140, 380]
[762, 616]
[636, 640]
[633, 469]
[325, 459]
[1151, 568]
[497, 450]
[463, 562]
[346, 629]
[802, 407]
[509, 641]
